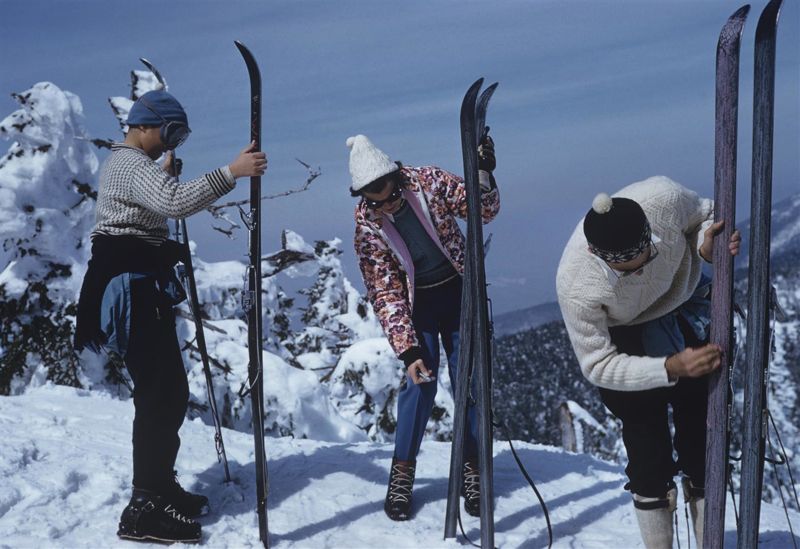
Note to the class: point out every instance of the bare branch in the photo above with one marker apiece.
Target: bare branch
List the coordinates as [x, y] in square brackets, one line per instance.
[284, 259]
[226, 232]
[219, 211]
[206, 324]
[213, 361]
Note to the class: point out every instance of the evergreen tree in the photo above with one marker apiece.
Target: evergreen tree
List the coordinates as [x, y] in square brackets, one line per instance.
[47, 195]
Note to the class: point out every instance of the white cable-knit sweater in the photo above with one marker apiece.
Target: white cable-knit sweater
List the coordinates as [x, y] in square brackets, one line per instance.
[137, 196]
[591, 301]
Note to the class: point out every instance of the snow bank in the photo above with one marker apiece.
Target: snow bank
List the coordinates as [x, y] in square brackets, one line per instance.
[65, 463]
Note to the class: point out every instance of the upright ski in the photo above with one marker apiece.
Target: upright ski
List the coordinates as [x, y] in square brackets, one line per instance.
[187, 274]
[758, 309]
[474, 352]
[718, 421]
[251, 302]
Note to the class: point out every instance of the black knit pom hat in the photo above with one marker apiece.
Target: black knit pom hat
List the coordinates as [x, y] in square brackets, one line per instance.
[616, 229]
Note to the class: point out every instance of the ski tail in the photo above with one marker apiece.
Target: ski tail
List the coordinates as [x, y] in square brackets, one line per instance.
[717, 438]
[251, 301]
[758, 336]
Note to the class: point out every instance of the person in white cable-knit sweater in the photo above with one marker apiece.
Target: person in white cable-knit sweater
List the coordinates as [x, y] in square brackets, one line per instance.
[635, 303]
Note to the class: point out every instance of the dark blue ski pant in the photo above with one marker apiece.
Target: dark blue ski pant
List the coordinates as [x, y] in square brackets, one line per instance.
[437, 313]
[160, 387]
[645, 423]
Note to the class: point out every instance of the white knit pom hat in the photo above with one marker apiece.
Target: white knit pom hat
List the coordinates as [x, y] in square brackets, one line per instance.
[367, 162]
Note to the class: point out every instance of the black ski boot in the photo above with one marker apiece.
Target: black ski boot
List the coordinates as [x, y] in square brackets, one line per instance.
[187, 503]
[148, 517]
[471, 488]
[398, 497]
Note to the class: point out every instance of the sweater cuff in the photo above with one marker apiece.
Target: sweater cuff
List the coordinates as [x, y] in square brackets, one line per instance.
[221, 181]
[661, 362]
[409, 356]
[701, 238]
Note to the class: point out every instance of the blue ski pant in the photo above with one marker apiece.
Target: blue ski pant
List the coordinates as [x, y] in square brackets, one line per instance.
[437, 314]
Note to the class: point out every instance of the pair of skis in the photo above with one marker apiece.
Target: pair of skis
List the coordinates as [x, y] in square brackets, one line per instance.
[474, 359]
[251, 304]
[187, 274]
[758, 336]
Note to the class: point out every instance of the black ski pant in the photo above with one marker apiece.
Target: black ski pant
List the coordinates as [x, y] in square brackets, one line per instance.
[161, 389]
[645, 423]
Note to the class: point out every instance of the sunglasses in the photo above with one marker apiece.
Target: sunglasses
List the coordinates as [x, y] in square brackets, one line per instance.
[640, 268]
[173, 134]
[396, 193]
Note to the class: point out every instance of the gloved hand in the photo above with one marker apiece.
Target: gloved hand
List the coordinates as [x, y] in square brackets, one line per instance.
[167, 165]
[486, 158]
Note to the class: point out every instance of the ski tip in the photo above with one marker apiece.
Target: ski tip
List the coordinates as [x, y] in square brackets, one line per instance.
[152, 68]
[472, 95]
[731, 33]
[241, 46]
[487, 94]
[769, 18]
[741, 13]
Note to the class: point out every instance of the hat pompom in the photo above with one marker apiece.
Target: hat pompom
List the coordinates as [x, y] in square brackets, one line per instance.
[350, 142]
[602, 203]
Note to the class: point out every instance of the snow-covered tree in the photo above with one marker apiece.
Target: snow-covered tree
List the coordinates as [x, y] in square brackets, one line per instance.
[47, 195]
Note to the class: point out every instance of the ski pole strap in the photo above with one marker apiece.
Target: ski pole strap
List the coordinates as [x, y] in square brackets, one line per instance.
[463, 533]
[524, 472]
[247, 387]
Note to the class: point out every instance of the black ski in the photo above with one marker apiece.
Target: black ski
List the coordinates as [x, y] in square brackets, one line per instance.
[251, 302]
[758, 309]
[187, 274]
[474, 352]
[719, 411]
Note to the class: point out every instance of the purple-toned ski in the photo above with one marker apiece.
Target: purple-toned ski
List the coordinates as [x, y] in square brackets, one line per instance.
[719, 401]
[758, 298]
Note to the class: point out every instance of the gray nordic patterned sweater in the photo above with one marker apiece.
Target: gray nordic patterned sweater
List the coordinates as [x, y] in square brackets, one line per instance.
[136, 195]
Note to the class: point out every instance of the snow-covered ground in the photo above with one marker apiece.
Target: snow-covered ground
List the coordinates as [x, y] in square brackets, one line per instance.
[65, 465]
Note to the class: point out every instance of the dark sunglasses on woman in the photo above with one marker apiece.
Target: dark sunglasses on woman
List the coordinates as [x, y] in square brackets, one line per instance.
[396, 193]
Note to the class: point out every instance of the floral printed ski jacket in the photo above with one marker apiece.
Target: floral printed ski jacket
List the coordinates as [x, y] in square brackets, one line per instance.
[437, 197]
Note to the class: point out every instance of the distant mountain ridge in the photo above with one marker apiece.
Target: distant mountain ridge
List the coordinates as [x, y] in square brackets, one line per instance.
[785, 229]
[785, 249]
[526, 319]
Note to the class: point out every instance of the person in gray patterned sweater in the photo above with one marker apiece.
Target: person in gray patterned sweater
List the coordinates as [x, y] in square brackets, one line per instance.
[127, 299]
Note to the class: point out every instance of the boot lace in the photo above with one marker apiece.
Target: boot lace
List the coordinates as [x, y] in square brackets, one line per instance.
[472, 481]
[401, 483]
[170, 510]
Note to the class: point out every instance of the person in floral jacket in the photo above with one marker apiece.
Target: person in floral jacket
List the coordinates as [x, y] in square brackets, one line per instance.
[411, 254]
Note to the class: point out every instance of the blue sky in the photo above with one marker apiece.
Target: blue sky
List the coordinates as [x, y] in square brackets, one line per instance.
[592, 96]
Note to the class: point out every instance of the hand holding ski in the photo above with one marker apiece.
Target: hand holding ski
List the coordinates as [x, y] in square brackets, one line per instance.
[711, 234]
[250, 163]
